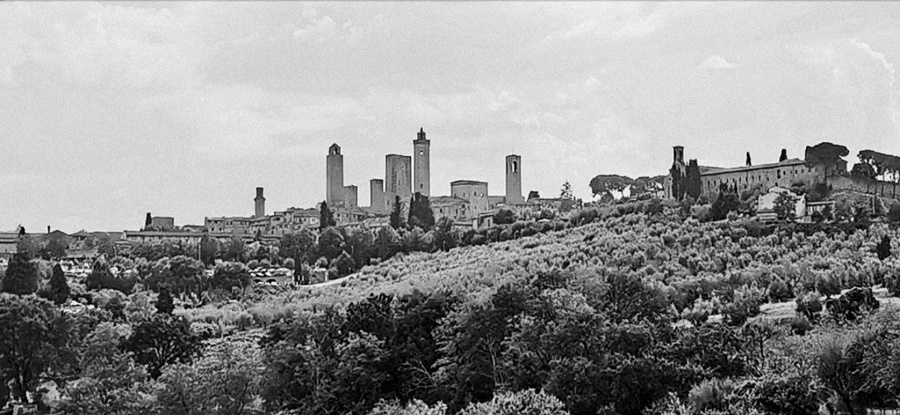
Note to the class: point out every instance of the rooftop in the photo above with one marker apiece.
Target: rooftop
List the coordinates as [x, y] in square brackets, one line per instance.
[720, 170]
[466, 182]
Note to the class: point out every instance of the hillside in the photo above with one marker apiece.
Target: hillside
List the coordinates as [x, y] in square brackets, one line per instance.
[719, 256]
[618, 313]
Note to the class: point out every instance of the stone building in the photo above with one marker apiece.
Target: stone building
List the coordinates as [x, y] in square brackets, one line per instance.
[449, 206]
[377, 201]
[260, 201]
[762, 176]
[474, 192]
[162, 222]
[350, 196]
[334, 176]
[422, 164]
[514, 180]
[397, 179]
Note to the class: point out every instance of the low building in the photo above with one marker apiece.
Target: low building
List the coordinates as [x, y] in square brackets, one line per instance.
[765, 208]
[455, 208]
[150, 237]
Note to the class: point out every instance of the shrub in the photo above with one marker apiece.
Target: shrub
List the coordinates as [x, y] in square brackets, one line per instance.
[894, 213]
[778, 291]
[526, 402]
[712, 394]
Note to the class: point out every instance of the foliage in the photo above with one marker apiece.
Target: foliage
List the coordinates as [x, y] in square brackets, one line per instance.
[230, 275]
[181, 274]
[21, 276]
[332, 243]
[299, 246]
[606, 184]
[109, 381]
[526, 402]
[34, 339]
[785, 207]
[692, 182]
[162, 340]
[883, 249]
[827, 155]
[326, 217]
[226, 380]
[725, 203]
[59, 290]
[504, 216]
[396, 218]
[420, 213]
[102, 278]
[164, 302]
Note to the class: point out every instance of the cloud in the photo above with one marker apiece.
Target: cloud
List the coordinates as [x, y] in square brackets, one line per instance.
[716, 62]
[894, 106]
[320, 30]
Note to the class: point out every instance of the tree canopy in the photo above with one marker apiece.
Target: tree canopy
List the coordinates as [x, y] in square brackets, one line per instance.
[826, 154]
[420, 213]
[21, 276]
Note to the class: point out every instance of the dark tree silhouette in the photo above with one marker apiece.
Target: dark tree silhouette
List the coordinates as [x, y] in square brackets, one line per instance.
[749, 163]
[420, 213]
[148, 221]
[783, 156]
[21, 276]
[161, 341]
[692, 183]
[397, 214]
[59, 288]
[884, 248]
[165, 304]
[326, 218]
[827, 155]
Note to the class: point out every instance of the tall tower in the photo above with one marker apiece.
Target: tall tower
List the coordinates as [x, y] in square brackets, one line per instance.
[421, 164]
[397, 178]
[376, 195]
[350, 195]
[514, 179]
[334, 176]
[260, 203]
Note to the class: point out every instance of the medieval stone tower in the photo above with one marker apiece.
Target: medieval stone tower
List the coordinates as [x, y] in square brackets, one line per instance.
[260, 203]
[350, 196]
[421, 164]
[376, 195]
[397, 178]
[334, 176]
[514, 179]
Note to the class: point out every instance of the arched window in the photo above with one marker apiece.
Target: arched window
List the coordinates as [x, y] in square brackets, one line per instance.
[514, 166]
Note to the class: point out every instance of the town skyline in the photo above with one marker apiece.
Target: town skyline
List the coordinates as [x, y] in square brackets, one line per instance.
[114, 110]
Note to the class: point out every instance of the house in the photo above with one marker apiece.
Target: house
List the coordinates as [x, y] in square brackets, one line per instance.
[765, 207]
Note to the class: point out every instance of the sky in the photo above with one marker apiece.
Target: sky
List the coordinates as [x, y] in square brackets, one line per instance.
[109, 111]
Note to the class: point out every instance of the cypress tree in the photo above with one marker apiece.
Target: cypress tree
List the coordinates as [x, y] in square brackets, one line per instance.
[21, 276]
[420, 213]
[326, 218]
[164, 302]
[59, 287]
[397, 213]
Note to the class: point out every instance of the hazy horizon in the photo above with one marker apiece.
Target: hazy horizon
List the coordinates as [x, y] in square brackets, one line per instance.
[112, 110]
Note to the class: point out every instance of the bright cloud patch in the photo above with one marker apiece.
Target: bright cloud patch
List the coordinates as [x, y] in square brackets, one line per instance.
[716, 62]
